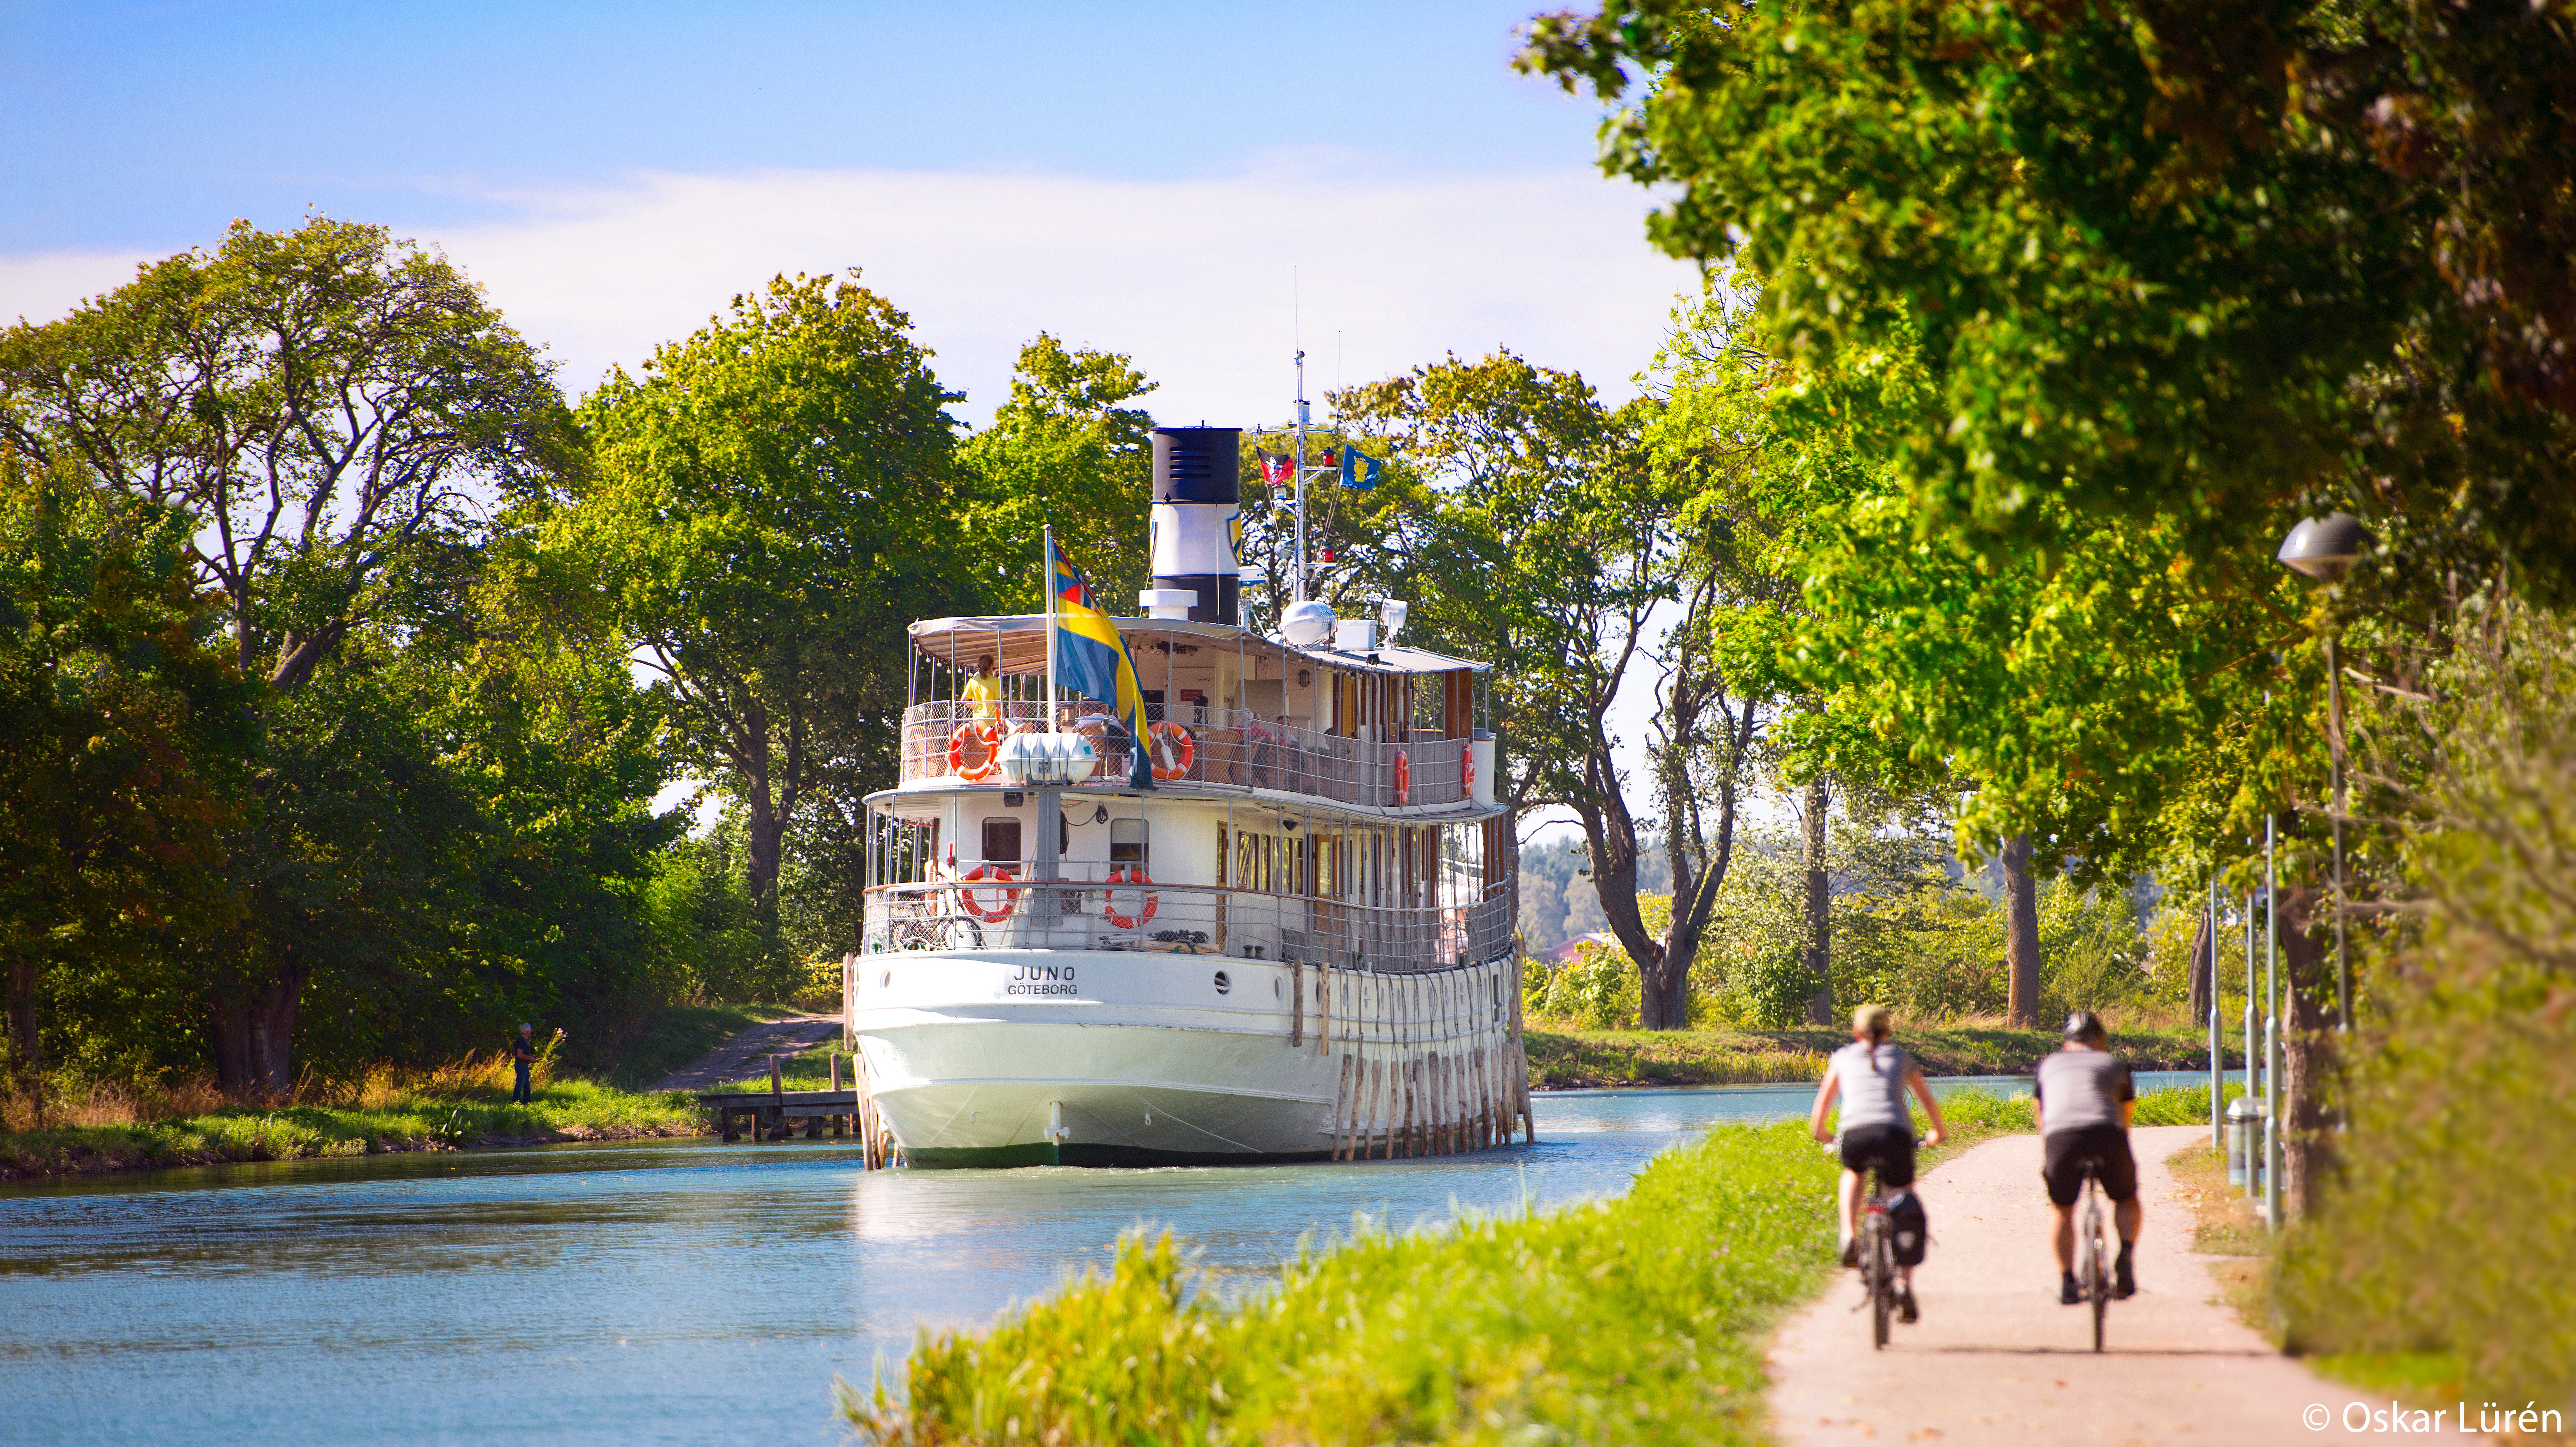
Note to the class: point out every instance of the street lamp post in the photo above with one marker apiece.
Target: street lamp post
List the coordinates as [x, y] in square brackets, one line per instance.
[2325, 549]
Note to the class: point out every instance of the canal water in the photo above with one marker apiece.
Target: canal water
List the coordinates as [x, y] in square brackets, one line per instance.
[655, 1292]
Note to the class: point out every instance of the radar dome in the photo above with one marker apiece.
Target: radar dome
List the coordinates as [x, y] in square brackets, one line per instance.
[1307, 624]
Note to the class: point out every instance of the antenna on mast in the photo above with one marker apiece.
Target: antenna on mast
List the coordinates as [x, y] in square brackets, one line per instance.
[1301, 479]
[1297, 335]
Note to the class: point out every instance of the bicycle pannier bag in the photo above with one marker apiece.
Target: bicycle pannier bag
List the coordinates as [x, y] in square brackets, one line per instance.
[1907, 1229]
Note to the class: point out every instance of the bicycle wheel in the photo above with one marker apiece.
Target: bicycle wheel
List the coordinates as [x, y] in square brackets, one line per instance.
[1882, 1280]
[2097, 1283]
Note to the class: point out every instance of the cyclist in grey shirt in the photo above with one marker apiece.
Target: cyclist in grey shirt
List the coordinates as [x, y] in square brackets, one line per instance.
[1871, 1076]
[2084, 1103]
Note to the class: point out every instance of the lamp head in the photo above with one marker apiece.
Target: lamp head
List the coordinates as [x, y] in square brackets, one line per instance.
[2325, 548]
[1307, 624]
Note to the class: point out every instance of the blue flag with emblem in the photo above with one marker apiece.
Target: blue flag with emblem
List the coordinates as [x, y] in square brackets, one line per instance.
[1092, 660]
[1358, 469]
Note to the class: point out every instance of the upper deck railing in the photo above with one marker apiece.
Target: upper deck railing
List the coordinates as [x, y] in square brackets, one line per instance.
[955, 742]
[1005, 909]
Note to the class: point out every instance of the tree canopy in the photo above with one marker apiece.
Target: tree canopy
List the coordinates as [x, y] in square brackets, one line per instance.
[772, 502]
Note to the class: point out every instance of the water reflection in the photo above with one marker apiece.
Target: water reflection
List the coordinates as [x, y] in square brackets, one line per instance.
[677, 1292]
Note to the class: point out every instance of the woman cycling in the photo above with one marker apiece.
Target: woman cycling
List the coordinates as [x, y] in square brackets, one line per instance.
[1870, 1077]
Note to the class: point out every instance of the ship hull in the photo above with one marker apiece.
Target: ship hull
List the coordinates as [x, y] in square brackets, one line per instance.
[993, 1058]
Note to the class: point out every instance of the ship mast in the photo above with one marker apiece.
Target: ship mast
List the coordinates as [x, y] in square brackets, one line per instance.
[1300, 590]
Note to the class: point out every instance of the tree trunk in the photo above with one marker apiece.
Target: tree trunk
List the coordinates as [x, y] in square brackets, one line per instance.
[2021, 938]
[1663, 995]
[254, 1030]
[1819, 913]
[1698, 873]
[1610, 837]
[25, 1047]
[2307, 1047]
[764, 839]
[2204, 972]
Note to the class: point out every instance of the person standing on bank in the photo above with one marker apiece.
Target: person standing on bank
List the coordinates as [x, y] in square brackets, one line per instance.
[523, 1054]
[1871, 1076]
[2083, 1109]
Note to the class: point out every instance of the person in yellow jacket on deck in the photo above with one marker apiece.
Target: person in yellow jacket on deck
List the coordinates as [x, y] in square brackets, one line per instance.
[983, 693]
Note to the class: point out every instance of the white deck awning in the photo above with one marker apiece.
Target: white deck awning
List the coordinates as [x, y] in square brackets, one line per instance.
[1018, 645]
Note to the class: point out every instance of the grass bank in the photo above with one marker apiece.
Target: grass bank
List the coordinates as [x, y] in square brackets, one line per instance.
[567, 1110]
[1641, 1319]
[96, 1128]
[1566, 1059]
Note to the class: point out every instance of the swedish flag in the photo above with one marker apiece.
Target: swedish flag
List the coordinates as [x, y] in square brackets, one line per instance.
[1092, 660]
[1358, 469]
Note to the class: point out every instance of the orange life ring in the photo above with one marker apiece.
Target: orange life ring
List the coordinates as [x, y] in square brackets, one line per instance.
[1467, 768]
[983, 736]
[1189, 749]
[1010, 898]
[1109, 907]
[1403, 778]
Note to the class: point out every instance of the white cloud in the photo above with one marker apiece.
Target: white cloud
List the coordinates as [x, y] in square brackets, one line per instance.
[1192, 278]
[39, 286]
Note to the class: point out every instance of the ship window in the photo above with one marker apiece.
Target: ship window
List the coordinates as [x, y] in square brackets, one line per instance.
[1127, 841]
[1002, 840]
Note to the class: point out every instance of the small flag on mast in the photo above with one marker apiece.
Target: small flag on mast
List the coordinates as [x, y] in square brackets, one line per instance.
[1277, 468]
[1358, 469]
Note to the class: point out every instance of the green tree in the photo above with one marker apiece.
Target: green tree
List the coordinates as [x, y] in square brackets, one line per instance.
[772, 502]
[1525, 538]
[1065, 451]
[128, 733]
[326, 402]
[2138, 284]
[1546, 534]
[2201, 262]
[330, 408]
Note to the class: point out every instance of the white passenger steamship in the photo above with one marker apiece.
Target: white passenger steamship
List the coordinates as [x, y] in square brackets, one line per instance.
[1295, 946]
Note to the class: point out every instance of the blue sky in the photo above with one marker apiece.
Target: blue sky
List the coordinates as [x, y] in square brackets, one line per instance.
[1196, 186]
[151, 125]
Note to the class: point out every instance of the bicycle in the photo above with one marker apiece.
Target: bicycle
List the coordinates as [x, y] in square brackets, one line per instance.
[1877, 1250]
[2092, 1273]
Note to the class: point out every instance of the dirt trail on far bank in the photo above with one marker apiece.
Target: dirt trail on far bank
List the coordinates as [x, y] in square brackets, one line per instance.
[1997, 1360]
[747, 1052]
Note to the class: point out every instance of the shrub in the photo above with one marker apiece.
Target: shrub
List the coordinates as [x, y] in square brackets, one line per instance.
[1598, 989]
[2448, 1226]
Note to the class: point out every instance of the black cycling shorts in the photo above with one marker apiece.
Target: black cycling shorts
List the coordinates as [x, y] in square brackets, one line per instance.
[2067, 1152]
[1890, 1147]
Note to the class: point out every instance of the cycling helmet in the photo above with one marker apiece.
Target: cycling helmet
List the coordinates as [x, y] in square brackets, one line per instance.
[2085, 1025]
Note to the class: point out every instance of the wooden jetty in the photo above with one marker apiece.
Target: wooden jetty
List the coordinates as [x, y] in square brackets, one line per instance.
[775, 1113]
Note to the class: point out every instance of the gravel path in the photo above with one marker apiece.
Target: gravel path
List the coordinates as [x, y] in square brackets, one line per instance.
[1997, 1360]
[748, 1051]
